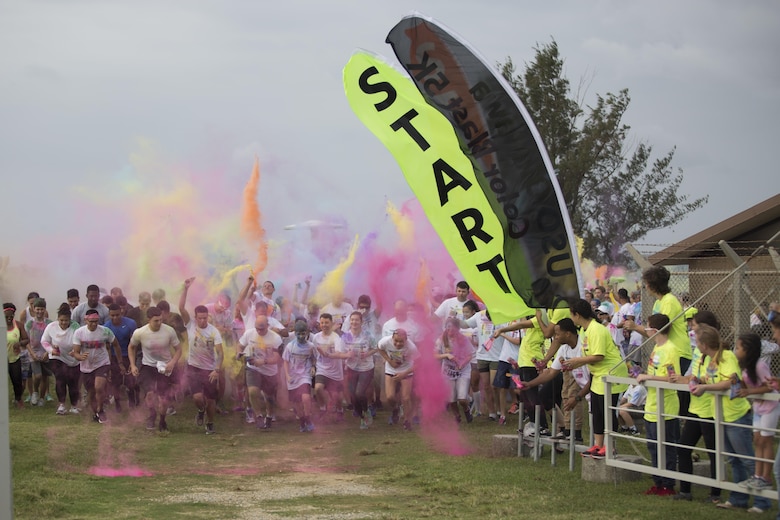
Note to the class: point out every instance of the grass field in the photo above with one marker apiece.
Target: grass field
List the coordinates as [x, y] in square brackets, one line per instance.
[336, 472]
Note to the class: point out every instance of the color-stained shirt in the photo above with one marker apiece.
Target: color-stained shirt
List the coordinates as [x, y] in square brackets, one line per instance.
[257, 347]
[203, 346]
[157, 347]
[95, 344]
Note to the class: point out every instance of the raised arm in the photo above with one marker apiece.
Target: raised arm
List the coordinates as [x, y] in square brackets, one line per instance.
[185, 316]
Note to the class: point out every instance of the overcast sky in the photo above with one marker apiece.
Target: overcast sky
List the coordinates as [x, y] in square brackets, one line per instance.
[210, 84]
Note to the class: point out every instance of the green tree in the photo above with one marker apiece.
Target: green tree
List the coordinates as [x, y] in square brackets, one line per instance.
[615, 193]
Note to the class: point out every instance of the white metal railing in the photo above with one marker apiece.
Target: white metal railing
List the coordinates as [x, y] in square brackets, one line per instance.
[719, 452]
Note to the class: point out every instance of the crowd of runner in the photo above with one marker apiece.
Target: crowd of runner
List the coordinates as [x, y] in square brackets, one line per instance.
[257, 352]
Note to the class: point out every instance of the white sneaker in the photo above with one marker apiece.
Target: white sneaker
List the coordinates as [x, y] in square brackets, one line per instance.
[73, 410]
[34, 399]
[171, 411]
[61, 409]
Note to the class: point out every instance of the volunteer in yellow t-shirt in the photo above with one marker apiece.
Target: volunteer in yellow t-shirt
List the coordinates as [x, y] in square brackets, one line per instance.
[602, 357]
[663, 363]
[722, 367]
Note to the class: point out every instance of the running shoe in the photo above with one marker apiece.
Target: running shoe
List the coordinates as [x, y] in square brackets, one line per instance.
[171, 411]
[310, 427]
[372, 410]
[34, 399]
[514, 409]
[749, 482]
[501, 420]
[369, 419]
[74, 411]
[760, 484]
[363, 425]
[492, 417]
[601, 453]
[250, 415]
[595, 449]
[49, 398]
[407, 426]
[27, 399]
[95, 418]
[163, 426]
[469, 416]
[61, 409]
[199, 418]
[653, 490]
[394, 416]
[666, 492]
[102, 419]
[267, 422]
[210, 429]
[755, 509]
[150, 424]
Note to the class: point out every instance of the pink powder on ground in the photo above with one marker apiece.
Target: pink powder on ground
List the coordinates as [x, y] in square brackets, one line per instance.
[132, 471]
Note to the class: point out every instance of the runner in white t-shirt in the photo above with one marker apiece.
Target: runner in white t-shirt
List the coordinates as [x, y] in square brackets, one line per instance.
[161, 351]
[329, 378]
[90, 347]
[399, 353]
[455, 351]
[204, 360]
[261, 353]
[360, 345]
[488, 353]
[298, 359]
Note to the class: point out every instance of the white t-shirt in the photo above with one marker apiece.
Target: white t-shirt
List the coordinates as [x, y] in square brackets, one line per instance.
[411, 328]
[488, 349]
[332, 368]
[95, 344]
[358, 345]
[406, 355]
[59, 343]
[250, 317]
[448, 306]
[203, 342]
[508, 349]
[565, 353]
[300, 360]
[257, 347]
[340, 314]
[636, 395]
[79, 314]
[157, 347]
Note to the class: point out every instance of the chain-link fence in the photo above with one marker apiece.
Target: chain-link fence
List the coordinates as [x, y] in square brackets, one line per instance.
[739, 298]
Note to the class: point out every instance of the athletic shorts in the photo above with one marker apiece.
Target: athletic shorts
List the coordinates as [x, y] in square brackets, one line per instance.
[266, 384]
[331, 385]
[767, 420]
[504, 373]
[296, 394]
[483, 365]
[41, 368]
[88, 378]
[150, 380]
[199, 383]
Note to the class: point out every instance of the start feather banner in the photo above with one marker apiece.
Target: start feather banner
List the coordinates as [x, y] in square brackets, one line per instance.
[510, 163]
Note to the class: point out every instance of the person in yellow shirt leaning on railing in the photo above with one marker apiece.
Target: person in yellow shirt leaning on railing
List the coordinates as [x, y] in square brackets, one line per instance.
[664, 362]
[738, 440]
